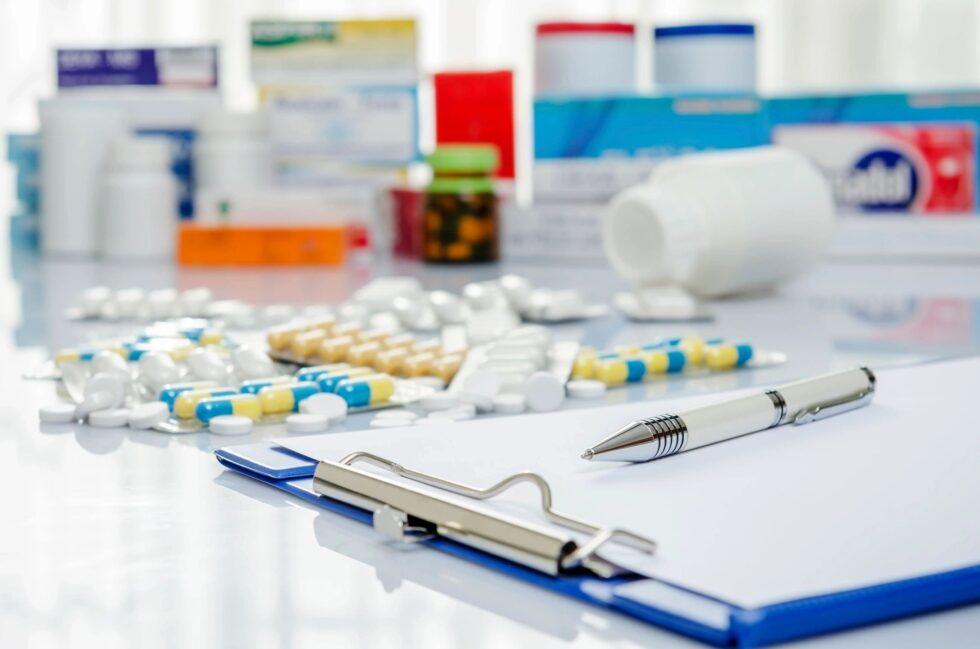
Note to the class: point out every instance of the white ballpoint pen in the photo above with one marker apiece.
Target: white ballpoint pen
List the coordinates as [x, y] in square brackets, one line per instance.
[797, 403]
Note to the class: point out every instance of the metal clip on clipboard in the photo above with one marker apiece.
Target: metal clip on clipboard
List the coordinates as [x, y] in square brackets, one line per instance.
[410, 514]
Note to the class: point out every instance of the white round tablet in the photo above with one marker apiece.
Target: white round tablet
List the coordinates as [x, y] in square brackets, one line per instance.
[110, 418]
[148, 415]
[390, 422]
[459, 413]
[57, 413]
[439, 401]
[330, 405]
[509, 404]
[482, 382]
[307, 423]
[544, 392]
[481, 402]
[230, 425]
[433, 382]
[397, 413]
[586, 389]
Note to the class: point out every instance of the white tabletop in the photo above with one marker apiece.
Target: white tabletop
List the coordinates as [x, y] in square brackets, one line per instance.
[121, 538]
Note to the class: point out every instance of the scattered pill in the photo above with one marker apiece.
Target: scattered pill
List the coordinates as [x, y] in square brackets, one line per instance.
[482, 382]
[510, 404]
[57, 413]
[616, 371]
[665, 361]
[254, 385]
[723, 357]
[186, 402]
[327, 404]
[482, 402]
[313, 373]
[544, 392]
[439, 401]
[372, 389]
[147, 415]
[328, 382]
[286, 397]
[585, 389]
[170, 391]
[433, 382]
[158, 368]
[390, 422]
[397, 413]
[244, 405]
[206, 364]
[102, 390]
[230, 425]
[307, 423]
[109, 418]
[252, 362]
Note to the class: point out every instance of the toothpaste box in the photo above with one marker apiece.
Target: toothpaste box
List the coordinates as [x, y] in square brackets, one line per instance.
[927, 168]
[889, 151]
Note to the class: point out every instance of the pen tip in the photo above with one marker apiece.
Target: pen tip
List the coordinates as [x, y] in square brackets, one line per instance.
[588, 454]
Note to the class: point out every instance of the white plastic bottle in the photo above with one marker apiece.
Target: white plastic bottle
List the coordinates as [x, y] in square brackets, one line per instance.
[233, 150]
[138, 216]
[721, 223]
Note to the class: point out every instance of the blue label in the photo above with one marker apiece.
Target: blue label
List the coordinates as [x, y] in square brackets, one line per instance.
[883, 180]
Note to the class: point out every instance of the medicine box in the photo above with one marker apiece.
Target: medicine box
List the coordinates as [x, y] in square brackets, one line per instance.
[591, 148]
[165, 67]
[888, 152]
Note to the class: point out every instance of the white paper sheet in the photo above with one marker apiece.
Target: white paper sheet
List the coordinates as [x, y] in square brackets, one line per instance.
[883, 493]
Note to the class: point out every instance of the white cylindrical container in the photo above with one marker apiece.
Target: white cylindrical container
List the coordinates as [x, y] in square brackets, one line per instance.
[74, 141]
[575, 58]
[138, 216]
[721, 223]
[706, 57]
[233, 150]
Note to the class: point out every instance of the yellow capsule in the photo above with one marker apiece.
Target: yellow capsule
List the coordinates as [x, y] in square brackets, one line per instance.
[391, 360]
[433, 345]
[616, 371]
[693, 346]
[585, 364]
[346, 329]
[211, 337]
[185, 404]
[447, 366]
[325, 322]
[306, 344]
[281, 337]
[418, 364]
[372, 336]
[335, 349]
[399, 341]
[363, 354]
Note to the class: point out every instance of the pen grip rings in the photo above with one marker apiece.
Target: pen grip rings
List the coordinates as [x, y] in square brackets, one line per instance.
[669, 432]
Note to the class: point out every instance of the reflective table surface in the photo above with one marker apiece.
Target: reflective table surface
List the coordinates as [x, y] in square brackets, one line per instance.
[122, 538]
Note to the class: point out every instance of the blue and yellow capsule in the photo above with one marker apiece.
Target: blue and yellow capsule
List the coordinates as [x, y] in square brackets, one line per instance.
[367, 390]
[276, 399]
[85, 354]
[314, 372]
[209, 337]
[185, 404]
[254, 385]
[178, 348]
[665, 361]
[243, 405]
[725, 357]
[328, 382]
[616, 371]
[170, 392]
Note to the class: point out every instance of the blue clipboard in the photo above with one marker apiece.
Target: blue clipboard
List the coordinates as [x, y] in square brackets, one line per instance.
[707, 619]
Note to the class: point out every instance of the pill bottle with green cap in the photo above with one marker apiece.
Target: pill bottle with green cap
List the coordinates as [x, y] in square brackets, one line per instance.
[460, 222]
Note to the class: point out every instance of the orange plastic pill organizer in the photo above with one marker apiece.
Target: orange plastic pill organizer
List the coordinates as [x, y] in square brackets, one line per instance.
[226, 245]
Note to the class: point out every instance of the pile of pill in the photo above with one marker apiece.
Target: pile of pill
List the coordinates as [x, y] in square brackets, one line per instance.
[634, 363]
[325, 341]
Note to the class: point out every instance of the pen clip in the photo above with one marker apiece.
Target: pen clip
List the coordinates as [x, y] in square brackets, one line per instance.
[826, 409]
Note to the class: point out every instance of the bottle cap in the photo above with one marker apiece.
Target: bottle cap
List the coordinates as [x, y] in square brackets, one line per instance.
[463, 158]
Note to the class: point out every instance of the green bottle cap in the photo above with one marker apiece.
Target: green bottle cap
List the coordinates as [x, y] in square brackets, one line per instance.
[463, 158]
